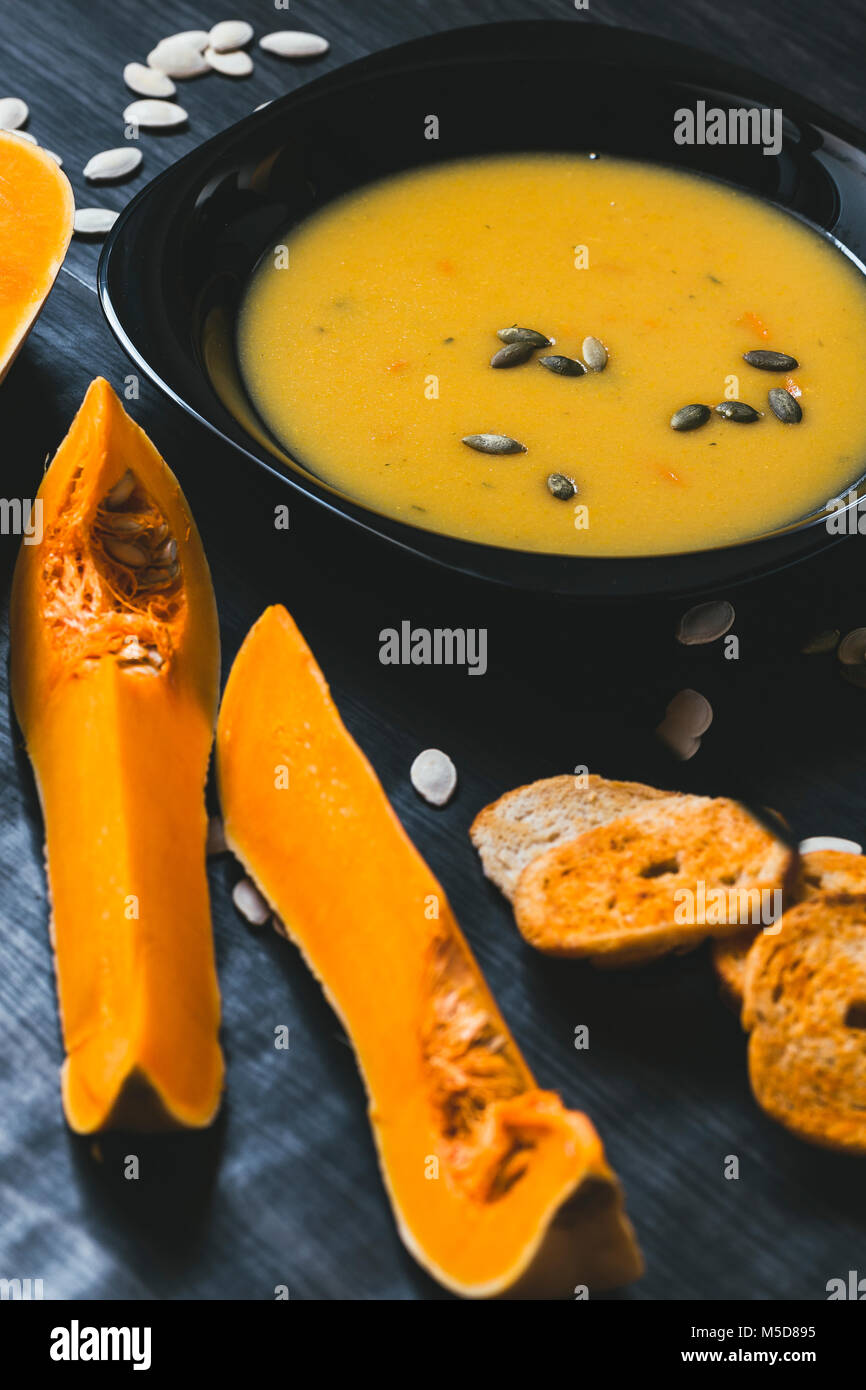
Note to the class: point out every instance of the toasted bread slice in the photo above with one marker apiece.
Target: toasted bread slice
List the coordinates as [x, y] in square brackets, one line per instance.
[805, 1003]
[820, 871]
[648, 883]
[526, 822]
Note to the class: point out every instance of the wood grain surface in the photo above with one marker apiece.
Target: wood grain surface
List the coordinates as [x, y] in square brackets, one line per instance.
[285, 1189]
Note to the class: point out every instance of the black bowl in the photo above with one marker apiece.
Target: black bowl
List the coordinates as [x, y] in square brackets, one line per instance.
[175, 267]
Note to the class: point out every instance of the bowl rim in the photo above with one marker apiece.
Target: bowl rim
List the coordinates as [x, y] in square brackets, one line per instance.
[404, 534]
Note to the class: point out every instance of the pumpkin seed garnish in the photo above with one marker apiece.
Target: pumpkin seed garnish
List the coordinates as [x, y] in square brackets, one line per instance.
[523, 335]
[704, 623]
[784, 406]
[737, 411]
[512, 355]
[821, 643]
[561, 487]
[563, 366]
[690, 417]
[767, 361]
[594, 354]
[494, 444]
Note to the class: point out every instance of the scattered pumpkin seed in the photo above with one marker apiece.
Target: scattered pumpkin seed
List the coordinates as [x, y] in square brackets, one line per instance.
[24, 135]
[434, 776]
[784, 406]
[250, 903]
[153, 114]
[494, 444]
[56, 157]
[148, 82]
[188, 38]
[561, 486]
[852, 648]
[109, 165]
[738, 411]
[294, 43]
[512, 355]
[229, 34]
[594, 354]
[767, 361]
[822, 842]
[13, 113]
[706, 622]
[237, 63]
[690, 417]
[514, 334]
[691, 712]
[821, 642]
[93, 221]
[563, 366]
[177, 57]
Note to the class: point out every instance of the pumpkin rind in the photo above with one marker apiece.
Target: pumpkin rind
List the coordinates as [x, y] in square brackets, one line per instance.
[120, 751]
[36, 212]
[496, 1187]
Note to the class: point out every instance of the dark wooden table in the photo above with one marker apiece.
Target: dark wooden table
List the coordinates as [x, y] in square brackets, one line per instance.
[285, 1189]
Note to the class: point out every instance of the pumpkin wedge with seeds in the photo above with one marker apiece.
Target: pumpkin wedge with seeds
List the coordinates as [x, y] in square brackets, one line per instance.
[115, 672]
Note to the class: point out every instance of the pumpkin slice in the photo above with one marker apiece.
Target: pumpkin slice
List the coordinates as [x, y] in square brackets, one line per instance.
[36, 212]
[115, 679]
[496, 1187]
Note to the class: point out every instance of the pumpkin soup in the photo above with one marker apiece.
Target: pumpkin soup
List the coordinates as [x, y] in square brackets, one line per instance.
[566, 354]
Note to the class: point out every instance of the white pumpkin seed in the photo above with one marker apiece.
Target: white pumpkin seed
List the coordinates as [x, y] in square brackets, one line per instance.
[24, 135]
[154, 114]
[112, 164]
[55, 157]
[262, 104]
[434, 776]
[216, 837]
[177, 59]
[819, 842]
[294, 43]
[234, 64]
[93, 221]
[691, 712]
[250, 903]
[706, 622]
[229, 34]
[189, 38]
[852, 648]
[148, 82]
[682, 745]
[13, 113]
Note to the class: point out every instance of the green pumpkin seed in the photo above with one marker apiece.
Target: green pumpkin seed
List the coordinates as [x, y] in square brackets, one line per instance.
[561, 487]
[494, 444]
[522, 335]
[767, 361]
[690, 417]
[594, 354]
[563, 366]
[512, 355]
[737, 411]
[785, 406]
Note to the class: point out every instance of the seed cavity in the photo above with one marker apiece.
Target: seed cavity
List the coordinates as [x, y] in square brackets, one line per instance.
[512, 355]
[562, 487]
[706, 622]
[738, 411]
[690, 417]
[494, 444]
[562, 366]
[515, 334]
[594, 354]
[434, 776]
[767, 361]
[784, 406]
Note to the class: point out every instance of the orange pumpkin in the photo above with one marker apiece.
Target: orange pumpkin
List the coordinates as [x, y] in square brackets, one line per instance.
[115, 672]
[496, 1187]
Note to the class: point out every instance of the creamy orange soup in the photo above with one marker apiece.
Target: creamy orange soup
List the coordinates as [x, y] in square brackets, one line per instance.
[365, 344]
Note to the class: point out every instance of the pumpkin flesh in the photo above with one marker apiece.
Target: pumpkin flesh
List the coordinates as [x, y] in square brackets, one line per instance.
[115, 682]
[496, 1187]
[36, 212]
